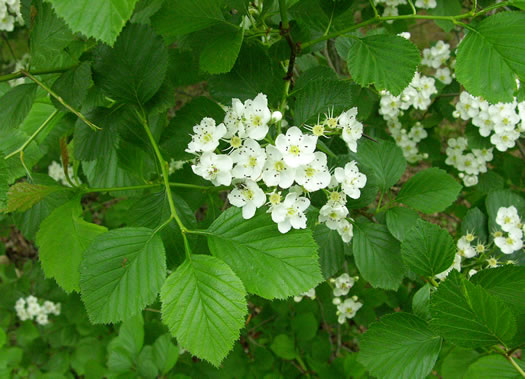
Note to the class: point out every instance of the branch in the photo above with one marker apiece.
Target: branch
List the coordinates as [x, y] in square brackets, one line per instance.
[20, 74]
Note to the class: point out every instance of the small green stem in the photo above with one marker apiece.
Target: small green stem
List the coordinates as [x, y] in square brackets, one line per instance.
[412, 6]
[433, 282]
[195, 186]
[20, 74]
[378, 208]
[61, 101]
[200, 232]
[282, 106]
[128, 188]
[33, 136]
[516, 366]
[284, 14]
[373, 5]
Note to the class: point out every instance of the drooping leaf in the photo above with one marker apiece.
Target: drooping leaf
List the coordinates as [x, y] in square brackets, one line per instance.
[270, 264]
[62, 239]
[377, 256]
[389, 62]
[399, 345]
[427, 249]
[469, 316]
[100, 19]
[385, 159]
[491, 56]
[121, 272]
[429, 191]
[73, 86]
[15, 105]
[97, 144]
[134, 69]
[400, 220]
[331, 250]
[204, 305]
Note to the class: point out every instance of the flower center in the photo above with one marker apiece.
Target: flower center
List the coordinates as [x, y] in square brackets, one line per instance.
[207, 137]
[256, 120]
[275, 198]
[279, 166]
[253, 161]
[235, 142]
[310, 171]
[294, 149]
[318, 130]
[291, 211]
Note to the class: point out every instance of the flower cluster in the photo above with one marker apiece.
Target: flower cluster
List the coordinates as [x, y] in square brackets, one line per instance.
[436, 57]
[346, 309]
[417, 95]
[470, 163]
[30, 309]
[310, 294]
[289, 163]
[466, 248]
[10, 14]
[56, 172]
[499, 121]
[510, 223]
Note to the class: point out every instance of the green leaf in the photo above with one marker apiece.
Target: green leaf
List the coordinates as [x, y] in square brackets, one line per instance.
[331, 250]
[421, 302]
[165, 353]
[494, 367]
[4, 187]
[10, 140]
[468, 315]
[518, 4]
[446, 8]
[94, 144]
[190, 16]
[427, 249]
[389, 62]
[399, 345]
[124, 349]
[220, 47]
[429, 191]
[15, 105]
[61, 257]
[73, 86]
[502, 198]
[321, 96]
[145, 365]
[100, 19]
[507, 283]
[400, 220]
[22, 196]
[204, 305]
[283, 346]
[456, 363]
[121, 272]
[385, 159]
[491, 56]
[377, 256]
[475, 222]
[270, 264]
[134, 69]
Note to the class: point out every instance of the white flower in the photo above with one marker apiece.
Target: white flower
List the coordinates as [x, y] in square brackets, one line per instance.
[470, 180]
[513, 242]
[443, 75]
[276, 172]
[31, 300]
[347, 310]
[336, 198]
[505, 140]
[48, 306]
[508, 218]
[20, 303]
[351, 179]
[310, 294]
[472, 272]
[405, 35]
[290, 213]
[33, 309]
[22, 314]
[216, 168]
[206, 136]
[352, 131]
[42, 319]
[297, 148]
[56, 172]
[314, 175]
[465, 249]
[345, 230]
[343, 284]
[247, 196]
[426, 4]
[456, 265]
[332, 215]
[257, 115]
[277, 116]
[249, 160]
[234, 119]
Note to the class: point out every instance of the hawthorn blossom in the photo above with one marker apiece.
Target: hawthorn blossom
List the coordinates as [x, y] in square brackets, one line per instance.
[290, 213]
[297, 148]
[247, 196]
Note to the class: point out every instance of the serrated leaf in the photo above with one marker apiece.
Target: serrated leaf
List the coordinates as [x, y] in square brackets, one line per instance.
[429, 191]
[427, 249]
[204, 305]
[389, 62]
[507, 283]
[270, 264]
[100, 19]
[385, 159]
[331, 250]
[145, 365]
[61, 253]
[121, 272]
[491, 56]
[468, 315]
[377, 256]
[10, 140]
[165, 353]
[494, 367]
[15, 105]
[22, 196]
[135, 68]
[400, 220]
[322, 96]
[73, 86]
[399, 345]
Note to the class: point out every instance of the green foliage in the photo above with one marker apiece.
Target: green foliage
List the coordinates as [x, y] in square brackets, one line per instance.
[121, 272]
[22, 196]
[400, 220]
[191, 307]
[389, 62]
[15, 105]
[491, 57]
[400, 345]
[270, 264]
